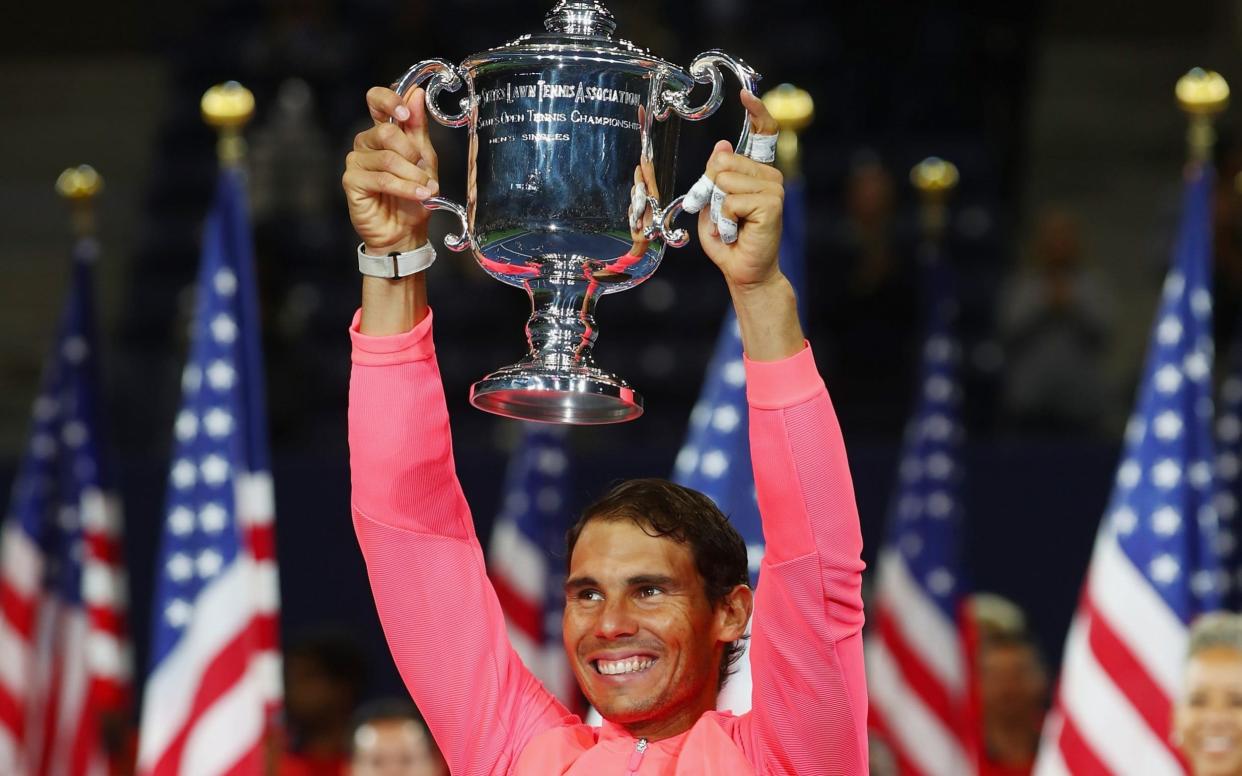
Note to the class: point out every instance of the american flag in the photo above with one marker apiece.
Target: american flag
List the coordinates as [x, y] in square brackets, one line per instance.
[917, 653]
[1154, 567]
[64, 651]
[715, 458]
[527, 555]
[214, 672]
[1228, 469]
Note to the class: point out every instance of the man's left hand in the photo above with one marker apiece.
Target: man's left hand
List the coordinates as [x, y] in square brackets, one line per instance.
[754, 200]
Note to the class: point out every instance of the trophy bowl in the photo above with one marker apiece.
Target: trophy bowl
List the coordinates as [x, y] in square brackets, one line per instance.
[572, 153]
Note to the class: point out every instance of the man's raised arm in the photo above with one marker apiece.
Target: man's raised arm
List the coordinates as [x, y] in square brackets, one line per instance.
[809, 702]
[440, 614]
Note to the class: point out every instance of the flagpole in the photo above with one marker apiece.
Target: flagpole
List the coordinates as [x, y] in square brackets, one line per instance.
[934, 179]
[79, 186]
[793, 109]
[1202, 95]
[228, 108]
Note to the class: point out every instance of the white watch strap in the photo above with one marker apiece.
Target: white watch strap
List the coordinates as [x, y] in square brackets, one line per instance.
[395, 265]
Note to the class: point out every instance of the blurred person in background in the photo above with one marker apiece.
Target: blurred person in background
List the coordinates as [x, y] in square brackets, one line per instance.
[324, 677]
[1013, 692]
[1207, 720]
[1056, 326]
[873, 311]
[1013, 687]
[391, 739]
[1227, 247]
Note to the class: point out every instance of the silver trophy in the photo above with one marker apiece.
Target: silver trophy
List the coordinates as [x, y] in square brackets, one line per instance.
[573, 147]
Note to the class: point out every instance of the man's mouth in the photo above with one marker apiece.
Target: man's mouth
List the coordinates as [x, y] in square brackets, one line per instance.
[1218, 744]
[629, 665]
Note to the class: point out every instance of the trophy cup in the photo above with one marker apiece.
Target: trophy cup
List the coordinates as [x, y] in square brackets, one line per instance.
[572, 151]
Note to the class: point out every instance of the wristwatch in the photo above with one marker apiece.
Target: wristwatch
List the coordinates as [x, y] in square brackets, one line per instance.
[395, 265]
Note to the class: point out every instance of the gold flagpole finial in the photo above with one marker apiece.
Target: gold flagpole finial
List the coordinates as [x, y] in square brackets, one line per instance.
[1202, 95]
[79, 186]
[793, 109]
[228, 107]
[935, 179]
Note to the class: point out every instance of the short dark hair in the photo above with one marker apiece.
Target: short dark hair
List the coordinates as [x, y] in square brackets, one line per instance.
[336, 652]
[384, 710]
[686, 516]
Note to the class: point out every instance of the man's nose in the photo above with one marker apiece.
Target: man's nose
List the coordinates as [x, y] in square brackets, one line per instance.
[616, 619]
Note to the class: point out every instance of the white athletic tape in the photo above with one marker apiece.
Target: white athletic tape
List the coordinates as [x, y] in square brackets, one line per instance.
[728, 230]
[699, 195]
[761, 148]
[638, 205]
[718, 198]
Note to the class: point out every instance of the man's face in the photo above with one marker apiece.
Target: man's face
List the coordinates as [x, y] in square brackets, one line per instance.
[643, 639]
[1012, 683]
[313, 697]
[1208, 720]
[395, 747]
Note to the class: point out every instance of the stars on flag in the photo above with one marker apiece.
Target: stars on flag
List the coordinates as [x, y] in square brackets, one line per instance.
[220, 376]
[225, 282]
[218, 422]
[1163, 511]
[223, 329]
[75, 349]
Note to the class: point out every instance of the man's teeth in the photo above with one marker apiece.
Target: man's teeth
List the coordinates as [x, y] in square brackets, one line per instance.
[1218, 743]
[628, 666]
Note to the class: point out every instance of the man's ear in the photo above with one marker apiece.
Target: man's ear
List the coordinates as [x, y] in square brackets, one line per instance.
[733, 613]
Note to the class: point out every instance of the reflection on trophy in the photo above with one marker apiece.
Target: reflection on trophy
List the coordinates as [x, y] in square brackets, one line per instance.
[573, 145]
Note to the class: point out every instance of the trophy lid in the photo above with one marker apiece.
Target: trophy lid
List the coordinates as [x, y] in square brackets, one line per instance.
[581, 18]
[580, 30]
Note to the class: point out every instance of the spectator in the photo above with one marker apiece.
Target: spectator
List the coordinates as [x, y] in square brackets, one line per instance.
[1013, 690]
[1013, 687]
[872, 310]
[391, 739]
[1056, 322]
[1207, 720]
[324, 676]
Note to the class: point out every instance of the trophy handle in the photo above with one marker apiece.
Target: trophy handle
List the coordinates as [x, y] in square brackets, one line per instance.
[705, 69]
[454, 242]
[442, 75]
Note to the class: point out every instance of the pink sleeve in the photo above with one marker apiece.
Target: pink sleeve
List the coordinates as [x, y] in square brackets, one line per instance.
[440, 614]
[809, 702]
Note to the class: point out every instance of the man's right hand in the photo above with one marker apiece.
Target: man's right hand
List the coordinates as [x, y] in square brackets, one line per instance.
[391, 170]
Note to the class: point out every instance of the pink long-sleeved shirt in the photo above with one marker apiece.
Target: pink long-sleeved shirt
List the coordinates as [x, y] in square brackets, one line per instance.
[446, 630]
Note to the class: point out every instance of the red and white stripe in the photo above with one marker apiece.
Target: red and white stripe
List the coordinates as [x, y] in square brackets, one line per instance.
[62, 666]
[1120, 674]
[519, 573]
[207, 706]
[917, 677]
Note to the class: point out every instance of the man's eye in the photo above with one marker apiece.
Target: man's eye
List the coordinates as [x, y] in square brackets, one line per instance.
[649, 591]
[590, 595]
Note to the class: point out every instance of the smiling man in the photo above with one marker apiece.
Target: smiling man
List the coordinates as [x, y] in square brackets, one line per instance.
[657, 595]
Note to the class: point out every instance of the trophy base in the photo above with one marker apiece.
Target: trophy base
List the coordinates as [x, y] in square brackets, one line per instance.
[577, 395]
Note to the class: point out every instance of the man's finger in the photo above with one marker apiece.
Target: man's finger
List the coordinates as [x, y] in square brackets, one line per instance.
[385, 104]
[388, 137]
[761, 121]
[357, 179]
[389, 161]
[731, 182]
[761, 208]
[419, 117]
[722, 161]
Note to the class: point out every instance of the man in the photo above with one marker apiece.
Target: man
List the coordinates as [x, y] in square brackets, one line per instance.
[391, 739]
[1013, 690]
[324, 676]
[651, 623]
